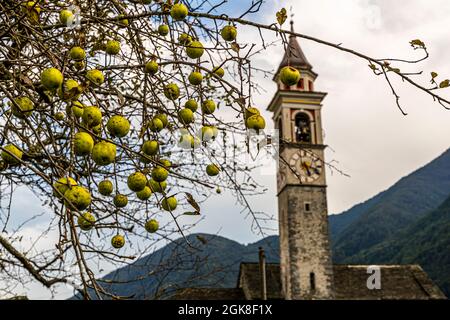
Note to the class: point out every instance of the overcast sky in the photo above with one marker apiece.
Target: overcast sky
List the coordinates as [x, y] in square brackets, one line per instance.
[367, 135]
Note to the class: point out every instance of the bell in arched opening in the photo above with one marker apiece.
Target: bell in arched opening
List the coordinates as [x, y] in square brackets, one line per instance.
[302, 128]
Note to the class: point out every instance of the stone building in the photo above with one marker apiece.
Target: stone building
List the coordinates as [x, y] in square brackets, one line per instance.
[306, 270]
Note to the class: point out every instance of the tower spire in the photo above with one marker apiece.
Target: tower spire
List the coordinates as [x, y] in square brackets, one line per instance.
[294, 55]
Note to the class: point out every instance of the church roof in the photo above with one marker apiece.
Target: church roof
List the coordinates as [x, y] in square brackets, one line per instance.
[398, 282]
[294, 55]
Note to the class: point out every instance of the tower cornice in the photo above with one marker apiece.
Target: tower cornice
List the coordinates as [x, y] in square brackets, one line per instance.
[303, 185]
[296, 97]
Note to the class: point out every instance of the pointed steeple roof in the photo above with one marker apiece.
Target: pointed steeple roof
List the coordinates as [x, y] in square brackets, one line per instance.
[294, 55]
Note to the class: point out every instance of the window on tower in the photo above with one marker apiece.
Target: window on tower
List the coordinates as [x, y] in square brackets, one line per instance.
[302, 128]
[301, 84]
[307, 207]
[312, 282]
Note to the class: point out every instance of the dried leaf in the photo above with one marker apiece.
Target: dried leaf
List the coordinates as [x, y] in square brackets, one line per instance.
[33, 15]
[202, 239]
[142, 131]
[235, 47]
[191, 213]
[241, 101]
[190, 199]
[167, 6]
[281, 16]
[121, 98]
[434, 75]
[417, 43]
[44, 94]
[444, 84]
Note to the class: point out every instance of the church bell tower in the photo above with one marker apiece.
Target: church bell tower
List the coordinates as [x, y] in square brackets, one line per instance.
[306, 265]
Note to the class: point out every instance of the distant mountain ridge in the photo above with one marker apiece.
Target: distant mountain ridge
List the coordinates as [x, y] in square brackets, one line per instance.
[426, 242]
[383, 216]
[210, 261]
[407, 223]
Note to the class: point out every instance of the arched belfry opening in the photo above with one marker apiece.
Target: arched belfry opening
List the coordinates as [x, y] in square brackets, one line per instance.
[303, 128]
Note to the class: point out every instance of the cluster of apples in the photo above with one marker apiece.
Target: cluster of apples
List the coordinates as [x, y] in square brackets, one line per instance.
[289, 76]
[88, 143]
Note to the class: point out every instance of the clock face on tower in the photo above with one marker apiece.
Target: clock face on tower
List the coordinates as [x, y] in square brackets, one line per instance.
[307, 165]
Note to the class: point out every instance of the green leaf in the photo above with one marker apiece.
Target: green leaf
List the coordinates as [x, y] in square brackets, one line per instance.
[434, 75]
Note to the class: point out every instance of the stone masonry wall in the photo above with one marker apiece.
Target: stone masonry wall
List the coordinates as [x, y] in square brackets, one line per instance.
[304, 242]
